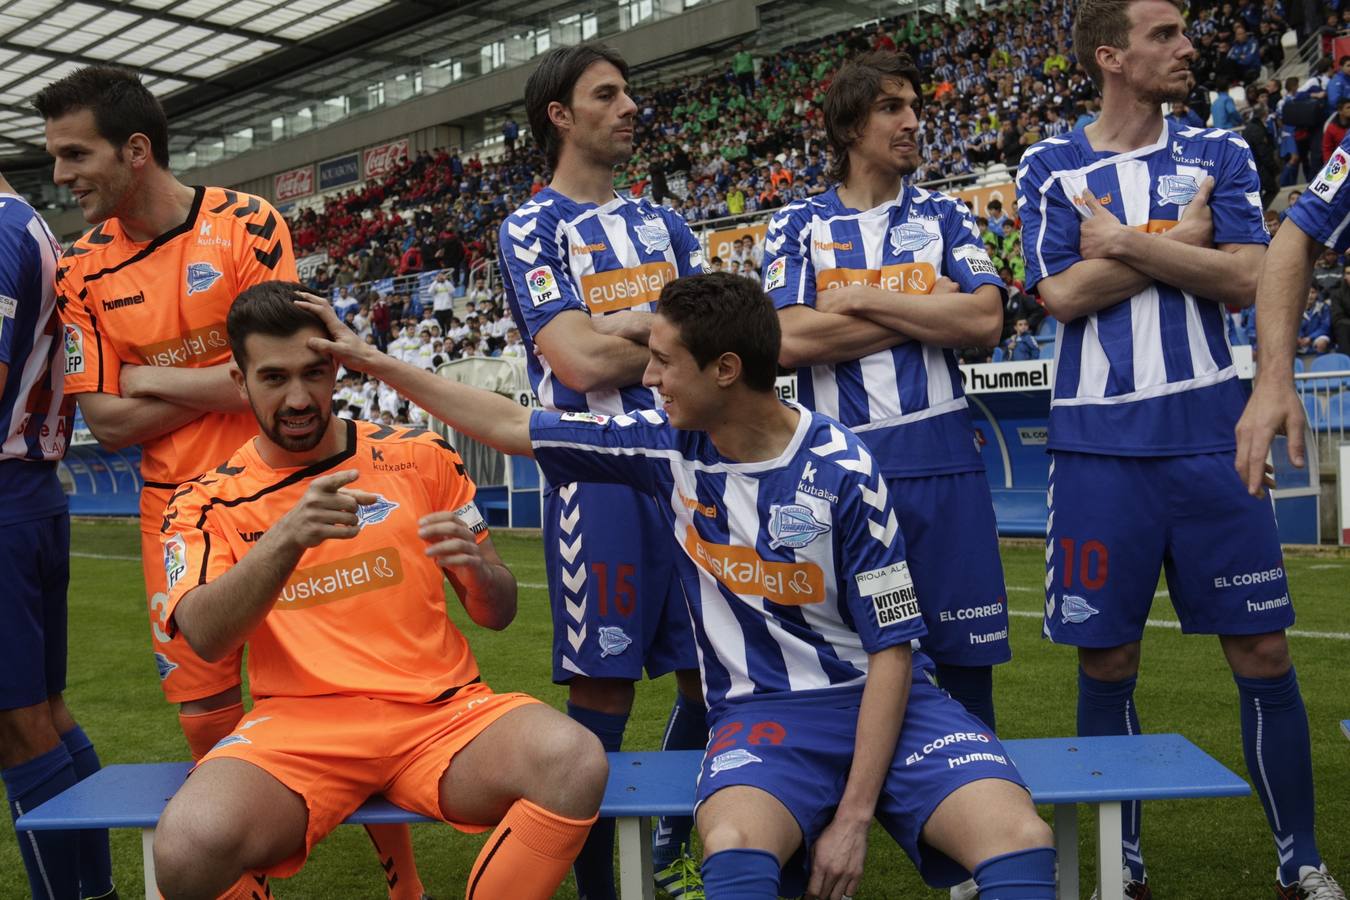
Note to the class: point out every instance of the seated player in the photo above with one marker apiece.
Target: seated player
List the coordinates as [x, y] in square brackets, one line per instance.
[323, 543]
[821, 716]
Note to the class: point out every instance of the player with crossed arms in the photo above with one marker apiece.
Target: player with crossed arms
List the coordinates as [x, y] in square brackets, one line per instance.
[1137, 230]
[821, 716]
[582, 268]
[143, 296]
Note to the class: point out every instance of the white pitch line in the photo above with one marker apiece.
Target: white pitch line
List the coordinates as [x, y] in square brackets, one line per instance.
[1176, 626]
[105, 556]
[1328, 566]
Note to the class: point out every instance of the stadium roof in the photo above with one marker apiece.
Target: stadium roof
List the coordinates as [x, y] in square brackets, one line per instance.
[192, 53]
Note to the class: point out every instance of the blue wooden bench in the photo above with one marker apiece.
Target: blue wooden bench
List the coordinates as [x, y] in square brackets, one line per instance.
[1101, 771]
[1345, 727]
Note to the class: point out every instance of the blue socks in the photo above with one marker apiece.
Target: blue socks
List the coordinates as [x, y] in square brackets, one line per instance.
[686, 730]
[741, 875]
[594, 866]
[95, 857]
[1021, 875]
[972, 687]
[1279, 759]
[51, 857]
[1107, 707]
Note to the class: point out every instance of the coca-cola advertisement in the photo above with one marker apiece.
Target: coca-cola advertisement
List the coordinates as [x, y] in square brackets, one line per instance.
[293, 184]
[385, 158]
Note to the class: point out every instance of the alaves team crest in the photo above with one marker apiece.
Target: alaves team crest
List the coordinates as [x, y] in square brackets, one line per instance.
[200, 277]
[793, 525]
[374, 513]
[910, 237]
[654, 237]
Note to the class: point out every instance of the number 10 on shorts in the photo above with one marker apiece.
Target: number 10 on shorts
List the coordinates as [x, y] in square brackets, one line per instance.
[1089, 563]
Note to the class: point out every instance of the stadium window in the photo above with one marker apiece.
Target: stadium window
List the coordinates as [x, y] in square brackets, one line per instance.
[631, 13]
[278, 128]
[492, 55]
[375, 94]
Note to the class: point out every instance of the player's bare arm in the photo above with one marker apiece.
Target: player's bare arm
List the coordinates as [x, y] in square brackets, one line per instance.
[208, 389]
[1104, 277]
[958, 320]
[482, 581]
[815, 338]
[1274, 407]
[632, 325]
[483, 415]
[118, 422]
[837, 856]
[1226, 272]
[218, 616]
[586, 358]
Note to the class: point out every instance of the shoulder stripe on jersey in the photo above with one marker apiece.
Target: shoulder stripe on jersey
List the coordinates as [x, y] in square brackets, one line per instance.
[97, 236]
[231, 199]
[264, 230]
[380, 433]
[271, 257]
[188, 225]
[249, 208]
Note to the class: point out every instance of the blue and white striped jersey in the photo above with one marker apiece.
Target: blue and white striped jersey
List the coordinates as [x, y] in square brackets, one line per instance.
[34, 422]
[1153, 374]
[35, 415]
[1323, 211]
[556, 254]
[906, 403]
[794, 568]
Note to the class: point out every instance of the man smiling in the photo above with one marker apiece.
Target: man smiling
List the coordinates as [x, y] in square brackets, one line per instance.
[365, 685]
[821, 716]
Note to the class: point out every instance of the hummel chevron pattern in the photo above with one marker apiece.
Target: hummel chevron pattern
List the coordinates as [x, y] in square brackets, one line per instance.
[573, 572]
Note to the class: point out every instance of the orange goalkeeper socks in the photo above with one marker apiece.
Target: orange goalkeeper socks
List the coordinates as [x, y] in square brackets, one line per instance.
[528, 855]
[393, 845]
[204, 730]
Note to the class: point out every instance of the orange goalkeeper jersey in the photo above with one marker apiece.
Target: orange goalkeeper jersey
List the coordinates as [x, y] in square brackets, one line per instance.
[163, 303]
[364, 616]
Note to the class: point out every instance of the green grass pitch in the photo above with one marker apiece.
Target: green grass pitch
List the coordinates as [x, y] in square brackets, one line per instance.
[1196, 849]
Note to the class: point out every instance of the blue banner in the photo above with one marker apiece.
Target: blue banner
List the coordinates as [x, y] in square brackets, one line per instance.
[339, 171]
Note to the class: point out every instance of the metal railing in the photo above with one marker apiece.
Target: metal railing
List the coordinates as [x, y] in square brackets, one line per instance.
[1326, 400]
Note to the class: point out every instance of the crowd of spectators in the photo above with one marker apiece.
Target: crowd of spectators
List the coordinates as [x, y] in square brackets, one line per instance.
[749, 136]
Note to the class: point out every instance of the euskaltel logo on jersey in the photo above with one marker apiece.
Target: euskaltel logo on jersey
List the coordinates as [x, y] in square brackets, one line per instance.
[342, 578]
[199, 345]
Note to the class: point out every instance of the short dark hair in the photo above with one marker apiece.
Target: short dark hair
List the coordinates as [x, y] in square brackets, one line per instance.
[553, 80]
[121, 104]
[720, 313]
[1103, 23]
[268, 308]
[848, 102]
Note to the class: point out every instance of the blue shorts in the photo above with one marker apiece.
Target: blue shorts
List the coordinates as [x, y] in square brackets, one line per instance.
[617, 602]
[951, 543]
[799, 748]
[1116, 521]
[35, 571]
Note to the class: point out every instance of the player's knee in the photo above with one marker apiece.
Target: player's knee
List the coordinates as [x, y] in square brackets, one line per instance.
[26, 734]
[1110, 663]
[722, 833]
[1029, 831]
[192, 849]
[1259, 655]
[573, 759]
